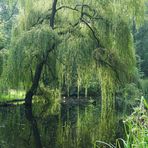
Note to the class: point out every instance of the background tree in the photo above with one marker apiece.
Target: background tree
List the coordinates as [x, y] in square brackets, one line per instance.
[141, 44]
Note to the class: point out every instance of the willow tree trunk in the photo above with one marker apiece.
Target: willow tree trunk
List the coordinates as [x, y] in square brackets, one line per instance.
[40, 65]
[35, 83]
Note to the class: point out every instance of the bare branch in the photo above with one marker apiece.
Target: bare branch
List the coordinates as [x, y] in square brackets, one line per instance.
[93, 32]
[67, 7]
[67, 30]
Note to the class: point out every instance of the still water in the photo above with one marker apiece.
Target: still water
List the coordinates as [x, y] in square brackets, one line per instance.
[51, 126]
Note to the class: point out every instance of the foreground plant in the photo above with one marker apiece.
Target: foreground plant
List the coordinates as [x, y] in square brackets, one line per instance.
[136, 127]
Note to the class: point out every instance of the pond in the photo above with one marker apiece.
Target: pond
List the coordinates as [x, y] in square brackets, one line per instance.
[52, 126]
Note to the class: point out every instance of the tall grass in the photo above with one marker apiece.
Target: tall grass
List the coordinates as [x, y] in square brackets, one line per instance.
[136, 127]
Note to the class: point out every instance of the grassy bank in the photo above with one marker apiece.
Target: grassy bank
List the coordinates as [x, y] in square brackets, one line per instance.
[12, 95]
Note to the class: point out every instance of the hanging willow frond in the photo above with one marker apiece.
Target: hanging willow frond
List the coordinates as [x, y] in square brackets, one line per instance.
[29, 47]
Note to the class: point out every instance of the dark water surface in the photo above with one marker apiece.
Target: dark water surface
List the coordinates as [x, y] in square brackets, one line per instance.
[46, 126]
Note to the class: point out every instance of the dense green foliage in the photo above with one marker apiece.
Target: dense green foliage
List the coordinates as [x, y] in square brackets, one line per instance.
[137, 126]
[105, 25]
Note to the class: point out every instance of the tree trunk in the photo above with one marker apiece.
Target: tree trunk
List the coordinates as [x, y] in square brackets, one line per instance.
[35, 83]
[39, 67]
[54, 4]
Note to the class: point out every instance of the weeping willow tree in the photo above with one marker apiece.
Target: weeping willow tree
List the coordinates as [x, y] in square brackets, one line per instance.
[116, 58]
[32, 40]
[104, 30]
[69, 39]
[89, 31]
[107, 27]
[7, 12]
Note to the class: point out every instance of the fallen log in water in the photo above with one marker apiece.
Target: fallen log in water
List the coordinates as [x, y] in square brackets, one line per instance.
[11, 102]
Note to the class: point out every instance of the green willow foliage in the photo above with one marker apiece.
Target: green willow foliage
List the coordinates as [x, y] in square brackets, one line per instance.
[90, 32]
[2, 41]
[111, 22]
[78, 63]
[29, 43]
[30, 47]
[119, 55]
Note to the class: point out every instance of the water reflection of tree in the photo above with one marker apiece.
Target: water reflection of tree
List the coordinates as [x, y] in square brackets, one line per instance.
[33, 124]
[45, 123]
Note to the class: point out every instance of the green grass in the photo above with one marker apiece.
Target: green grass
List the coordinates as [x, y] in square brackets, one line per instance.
[11, 95]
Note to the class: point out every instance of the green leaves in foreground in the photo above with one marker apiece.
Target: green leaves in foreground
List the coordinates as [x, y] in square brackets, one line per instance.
[137, 127]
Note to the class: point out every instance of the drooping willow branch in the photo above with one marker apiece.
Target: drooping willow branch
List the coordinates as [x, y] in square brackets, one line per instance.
[83, 14]
[76, 8]
[93, 32]
[67, 7]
